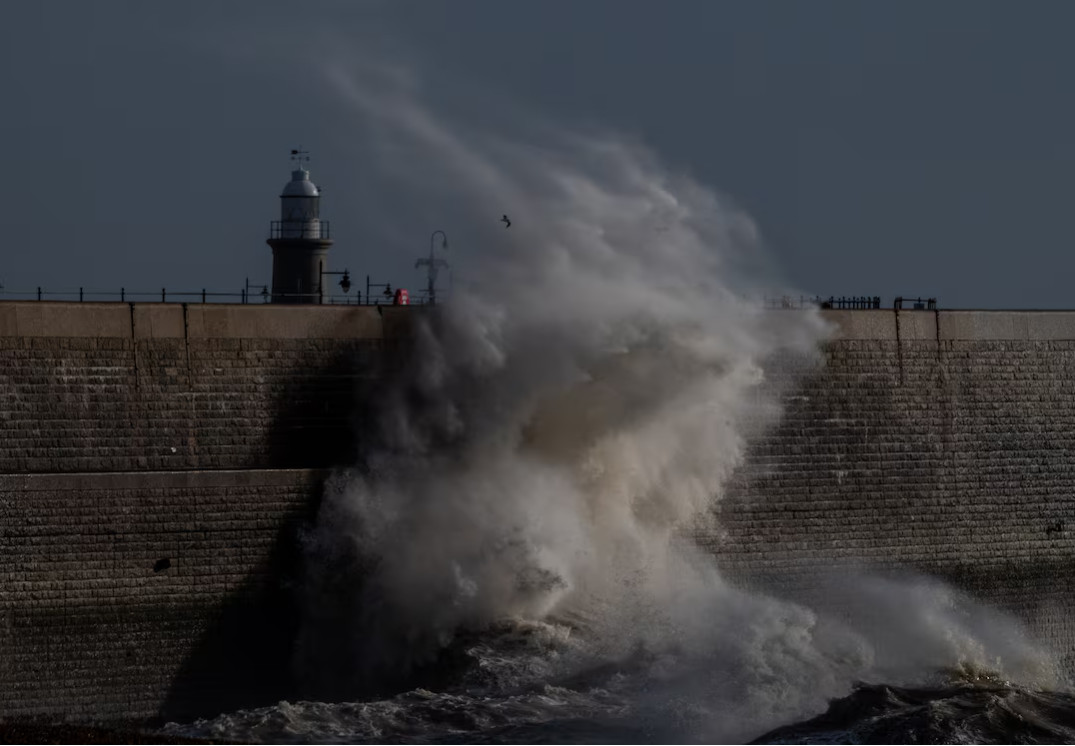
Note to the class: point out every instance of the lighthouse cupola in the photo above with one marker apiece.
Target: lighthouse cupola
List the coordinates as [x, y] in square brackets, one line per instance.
[300, 239]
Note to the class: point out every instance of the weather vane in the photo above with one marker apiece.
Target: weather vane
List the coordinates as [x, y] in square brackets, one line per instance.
[300, 155]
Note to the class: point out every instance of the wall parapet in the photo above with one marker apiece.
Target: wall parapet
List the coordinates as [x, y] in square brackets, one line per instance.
[951, 325]
[197, 321]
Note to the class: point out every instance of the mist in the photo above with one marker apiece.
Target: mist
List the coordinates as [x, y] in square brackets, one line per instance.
[565, 418]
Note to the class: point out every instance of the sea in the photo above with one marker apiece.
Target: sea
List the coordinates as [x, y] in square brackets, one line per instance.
[872, 713]
[501, 695]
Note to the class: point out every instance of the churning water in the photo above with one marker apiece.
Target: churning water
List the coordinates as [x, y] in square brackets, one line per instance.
[872, 714]
[506, 559]
[514, 690]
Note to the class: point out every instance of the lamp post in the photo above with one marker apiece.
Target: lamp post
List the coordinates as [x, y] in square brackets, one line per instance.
[433, 264]
[345, 284]
[386, 285]
[264, 292]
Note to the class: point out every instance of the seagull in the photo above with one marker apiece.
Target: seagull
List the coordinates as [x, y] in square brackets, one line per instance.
[504, 219]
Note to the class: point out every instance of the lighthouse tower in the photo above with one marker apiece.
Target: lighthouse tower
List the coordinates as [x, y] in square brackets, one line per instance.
[299, 239]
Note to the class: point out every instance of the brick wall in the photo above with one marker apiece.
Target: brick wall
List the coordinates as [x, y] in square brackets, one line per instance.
[138, 594]
[140, 581]
[114, 403]
[953, 457]
[148, 511]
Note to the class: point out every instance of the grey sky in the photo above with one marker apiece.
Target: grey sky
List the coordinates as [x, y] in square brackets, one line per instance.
[883, 148]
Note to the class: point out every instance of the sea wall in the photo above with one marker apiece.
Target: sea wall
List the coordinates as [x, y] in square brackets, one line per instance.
[158, 462]
[121, 387]
[939, 442]
[128, 595]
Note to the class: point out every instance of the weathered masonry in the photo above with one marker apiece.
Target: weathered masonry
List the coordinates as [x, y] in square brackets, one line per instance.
[940, 441]
[157, 461]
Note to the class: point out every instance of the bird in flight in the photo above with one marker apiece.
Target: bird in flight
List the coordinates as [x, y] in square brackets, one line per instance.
[507, 223]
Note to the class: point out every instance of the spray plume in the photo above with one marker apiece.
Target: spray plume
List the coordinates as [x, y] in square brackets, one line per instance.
[569, 415]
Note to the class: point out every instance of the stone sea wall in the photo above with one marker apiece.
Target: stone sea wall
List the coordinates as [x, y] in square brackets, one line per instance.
[156, 464]
[939, 442]
[158, 461]
[126, 595]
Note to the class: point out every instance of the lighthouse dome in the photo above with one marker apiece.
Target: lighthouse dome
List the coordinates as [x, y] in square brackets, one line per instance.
[300, 185]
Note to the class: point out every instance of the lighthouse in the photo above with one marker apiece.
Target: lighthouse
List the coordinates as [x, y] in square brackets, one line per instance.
[300, 239]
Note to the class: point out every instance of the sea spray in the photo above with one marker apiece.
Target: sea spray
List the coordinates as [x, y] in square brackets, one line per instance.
[581, 398]
[562, 422]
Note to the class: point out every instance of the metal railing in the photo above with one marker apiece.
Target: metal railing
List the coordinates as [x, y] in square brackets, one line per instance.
[853, 302]
[262, 294]
[917, 304]
[299, 229]
[791, 302]
[241, 295]
[843, 302]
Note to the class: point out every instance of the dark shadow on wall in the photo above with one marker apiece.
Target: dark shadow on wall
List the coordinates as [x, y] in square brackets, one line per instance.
[243, 659]
[246, 657]
[320, 413]
[350, 645]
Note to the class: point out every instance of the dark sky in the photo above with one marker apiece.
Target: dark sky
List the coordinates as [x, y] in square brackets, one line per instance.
[883, 148]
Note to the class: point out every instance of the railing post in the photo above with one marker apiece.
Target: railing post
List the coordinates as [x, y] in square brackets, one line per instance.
[80, 295]
[203, 295]
[162, 295]
[122, 294]
[39, 292]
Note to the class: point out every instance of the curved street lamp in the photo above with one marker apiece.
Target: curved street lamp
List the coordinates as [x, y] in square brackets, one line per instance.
[345, 284]
[433, 264]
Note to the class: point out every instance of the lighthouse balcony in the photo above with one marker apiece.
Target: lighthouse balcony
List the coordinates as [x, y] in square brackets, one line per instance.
[315, 229]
